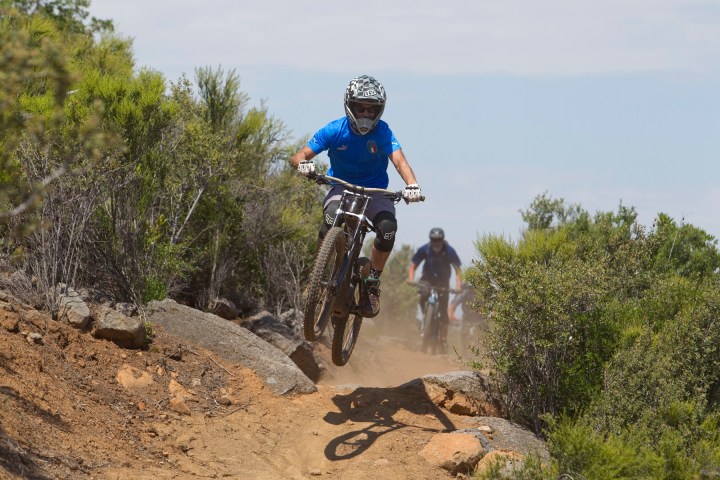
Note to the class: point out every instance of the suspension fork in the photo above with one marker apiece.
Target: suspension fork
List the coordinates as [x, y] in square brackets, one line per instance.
[341, 285]
[351, 212]
[351, 254]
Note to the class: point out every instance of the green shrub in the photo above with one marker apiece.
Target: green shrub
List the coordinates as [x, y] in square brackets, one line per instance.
[581, 451]
[155, 289]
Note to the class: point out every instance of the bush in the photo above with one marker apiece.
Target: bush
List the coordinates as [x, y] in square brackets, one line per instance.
[548, 340]
[581, 451]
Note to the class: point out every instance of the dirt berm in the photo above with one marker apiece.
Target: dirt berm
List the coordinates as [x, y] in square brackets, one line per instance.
[199, 404]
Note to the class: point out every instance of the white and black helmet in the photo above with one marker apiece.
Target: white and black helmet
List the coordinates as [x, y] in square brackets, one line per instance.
[364, 90]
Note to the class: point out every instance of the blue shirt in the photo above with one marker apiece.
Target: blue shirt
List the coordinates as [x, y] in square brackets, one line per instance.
[438, 266]
[358, 159]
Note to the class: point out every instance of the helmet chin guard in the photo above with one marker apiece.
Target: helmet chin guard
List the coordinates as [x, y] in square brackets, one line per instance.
[364, 90]
[364, 125]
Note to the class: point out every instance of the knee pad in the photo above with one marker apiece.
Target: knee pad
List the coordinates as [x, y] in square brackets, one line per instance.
[386, 226]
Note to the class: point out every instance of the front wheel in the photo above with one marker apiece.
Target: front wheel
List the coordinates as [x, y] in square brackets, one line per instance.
[430, 329]
[319, 299]
[347, 329]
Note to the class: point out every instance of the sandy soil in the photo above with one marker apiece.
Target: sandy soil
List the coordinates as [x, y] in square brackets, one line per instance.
[72, 406]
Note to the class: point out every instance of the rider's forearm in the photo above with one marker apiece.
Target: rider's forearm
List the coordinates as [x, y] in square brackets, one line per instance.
[411, 273]
[403, 167]
[304, 153]
[407, 175]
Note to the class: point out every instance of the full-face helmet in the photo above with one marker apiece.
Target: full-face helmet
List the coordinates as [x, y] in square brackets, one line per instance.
[364, 92]
[437, 234]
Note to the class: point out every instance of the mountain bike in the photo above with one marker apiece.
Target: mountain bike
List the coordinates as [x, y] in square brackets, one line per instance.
[432, 330]
[336, 283]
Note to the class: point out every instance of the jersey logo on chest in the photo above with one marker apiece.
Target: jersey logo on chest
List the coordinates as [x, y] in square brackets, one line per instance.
[372, 146]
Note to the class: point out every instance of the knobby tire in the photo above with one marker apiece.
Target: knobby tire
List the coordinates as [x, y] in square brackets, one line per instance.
[319, 300]
[430, 329]
[344, 338]
[347, 329]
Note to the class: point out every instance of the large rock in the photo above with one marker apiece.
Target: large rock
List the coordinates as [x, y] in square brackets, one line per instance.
[506, 436]
[464, 393]
[284, 337]
[293, 318]
[231, 342]
[124, 331]
[72, 308]
[224, 308]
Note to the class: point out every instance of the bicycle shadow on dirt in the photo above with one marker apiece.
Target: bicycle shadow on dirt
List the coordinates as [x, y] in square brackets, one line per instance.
[377, 406]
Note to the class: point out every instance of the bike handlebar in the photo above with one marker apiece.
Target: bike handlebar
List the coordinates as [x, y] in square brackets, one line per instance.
[439, 289]
[329, 180]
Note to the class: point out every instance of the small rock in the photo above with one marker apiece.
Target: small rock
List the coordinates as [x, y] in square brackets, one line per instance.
[178, 391]
[34, 337]
[11, 324]
[130, 377]
[454, 452]
[178, 405]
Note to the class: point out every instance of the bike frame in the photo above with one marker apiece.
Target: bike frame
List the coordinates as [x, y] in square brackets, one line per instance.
[431, 327]
[432, 304]
[433, 299]
[339, 293]
[351, 211]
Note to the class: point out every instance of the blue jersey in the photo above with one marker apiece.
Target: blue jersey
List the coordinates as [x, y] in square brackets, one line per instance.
[438, 266]
[358, 159]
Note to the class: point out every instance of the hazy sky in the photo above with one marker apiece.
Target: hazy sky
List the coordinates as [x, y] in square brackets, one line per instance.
[599, 103]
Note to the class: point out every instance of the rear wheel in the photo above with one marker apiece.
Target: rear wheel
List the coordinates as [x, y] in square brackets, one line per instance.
[344, 338]
[319, 299]
[347, 329]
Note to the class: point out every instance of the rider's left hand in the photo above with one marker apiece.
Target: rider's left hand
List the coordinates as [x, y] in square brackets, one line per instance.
[412, 193]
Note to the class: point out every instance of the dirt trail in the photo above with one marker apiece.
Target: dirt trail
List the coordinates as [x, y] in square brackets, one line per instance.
[66, 416]
[387, 359]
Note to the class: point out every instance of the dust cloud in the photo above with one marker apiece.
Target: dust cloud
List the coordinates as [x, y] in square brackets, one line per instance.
[388, 355]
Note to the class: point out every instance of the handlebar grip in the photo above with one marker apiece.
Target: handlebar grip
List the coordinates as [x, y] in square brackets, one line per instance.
[422, 198]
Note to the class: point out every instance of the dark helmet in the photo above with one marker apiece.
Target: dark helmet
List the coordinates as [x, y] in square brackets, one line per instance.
[437, 234]
[364, 89]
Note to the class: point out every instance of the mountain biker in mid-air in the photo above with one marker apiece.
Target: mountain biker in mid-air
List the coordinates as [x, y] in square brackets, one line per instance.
[359, 146]
[440, 259]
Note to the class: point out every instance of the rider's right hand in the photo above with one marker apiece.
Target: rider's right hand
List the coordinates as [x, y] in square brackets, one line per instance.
[306, 168]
